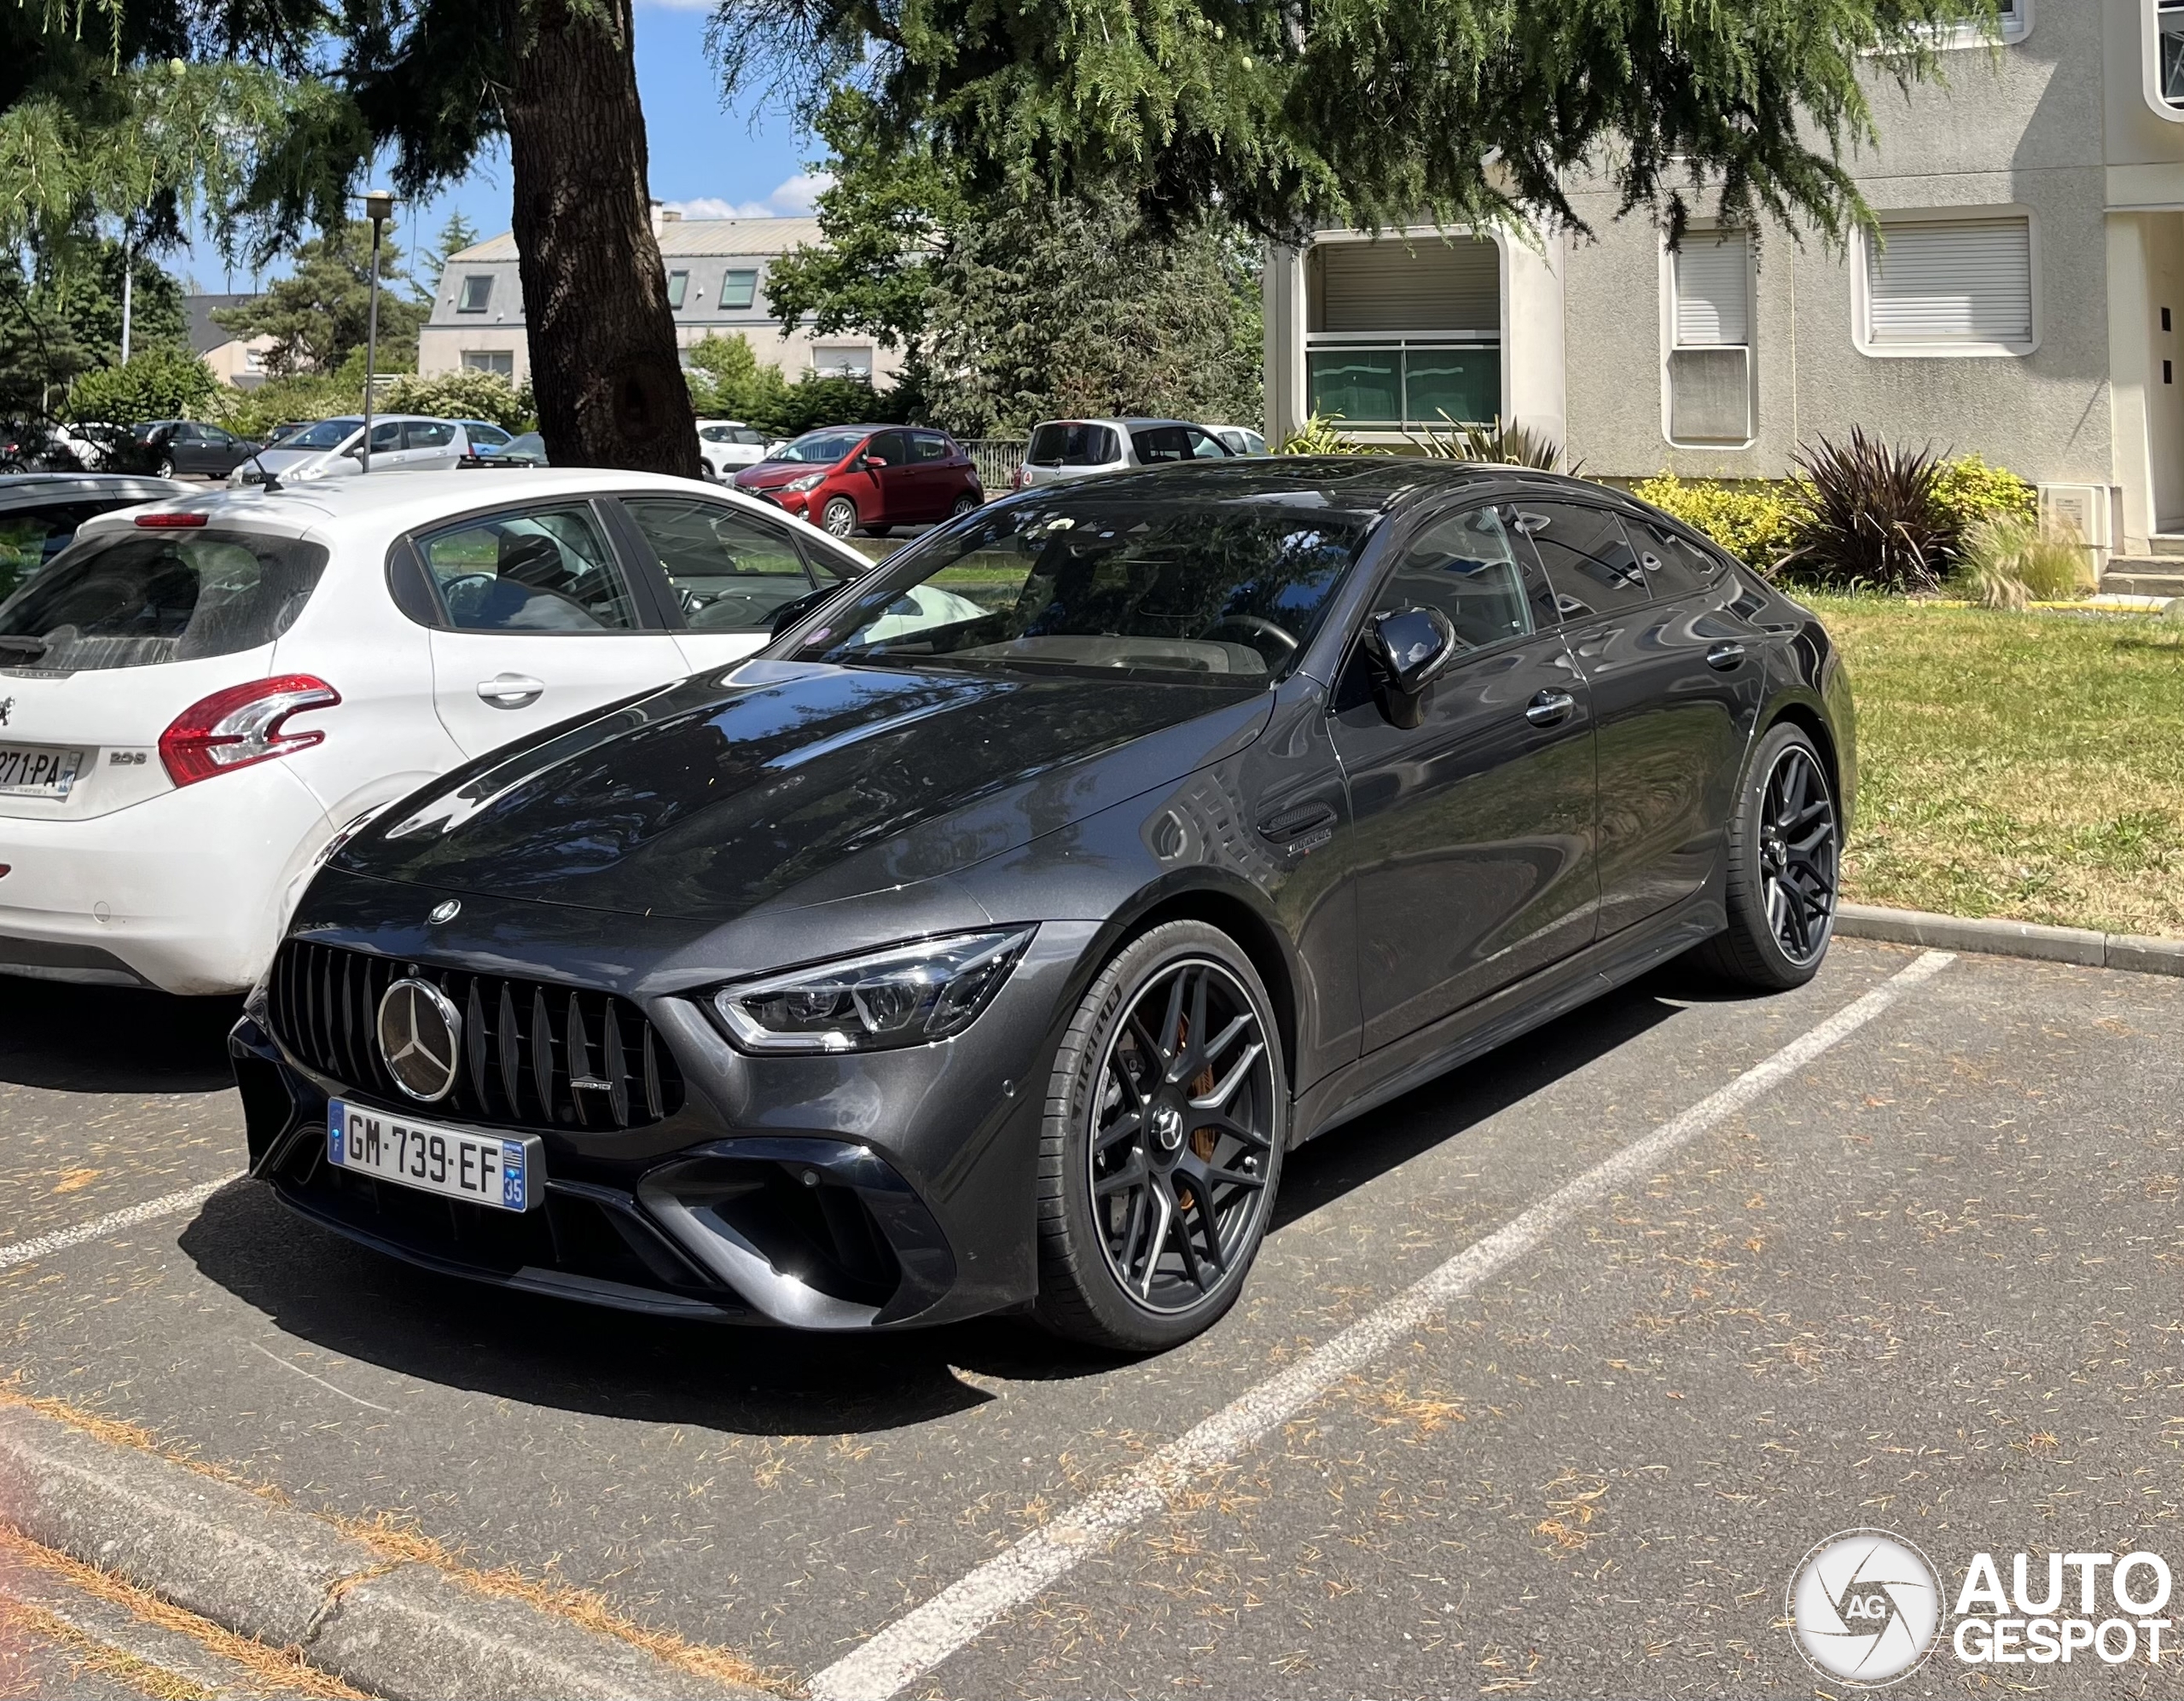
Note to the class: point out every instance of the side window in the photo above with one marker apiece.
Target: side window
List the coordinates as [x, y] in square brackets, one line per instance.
[1593, 569]
[1205, 446]
[926, 445]
[477, 294]
[426, 434]
[492, 434]
[1464, 565]
[678, 285]
[730, 573]
[889, 446]
[216, 437]
[1158, 443]
[546, 569]
[386, 437]
[1673, 564]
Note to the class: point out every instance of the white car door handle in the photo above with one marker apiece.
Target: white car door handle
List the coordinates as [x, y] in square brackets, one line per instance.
[511, 690]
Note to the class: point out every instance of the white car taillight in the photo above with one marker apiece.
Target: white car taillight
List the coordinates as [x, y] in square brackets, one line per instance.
[243, 724]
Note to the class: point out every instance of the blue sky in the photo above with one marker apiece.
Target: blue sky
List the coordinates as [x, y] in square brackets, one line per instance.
[705, 160]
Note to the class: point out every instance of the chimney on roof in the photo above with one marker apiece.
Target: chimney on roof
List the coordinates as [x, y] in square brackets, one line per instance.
[661, 215]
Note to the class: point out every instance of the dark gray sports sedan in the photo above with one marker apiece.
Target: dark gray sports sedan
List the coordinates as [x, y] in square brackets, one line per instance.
[987, 941]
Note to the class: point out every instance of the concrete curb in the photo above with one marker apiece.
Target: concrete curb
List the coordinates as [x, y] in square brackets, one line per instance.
[2078, 945]
[402, 1630]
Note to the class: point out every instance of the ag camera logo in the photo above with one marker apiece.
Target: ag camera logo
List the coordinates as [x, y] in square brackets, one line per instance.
[1865, 1606]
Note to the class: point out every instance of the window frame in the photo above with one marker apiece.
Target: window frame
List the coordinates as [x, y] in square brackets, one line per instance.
[729, 288]
[483, 303]
[2171, 112]
[630, 543]
[1861, 285]
[471, 363]
[678, 289]
[1672, 346]
[416, 594]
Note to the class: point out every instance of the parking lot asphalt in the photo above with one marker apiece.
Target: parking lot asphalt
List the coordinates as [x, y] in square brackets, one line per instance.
[1925, 1282]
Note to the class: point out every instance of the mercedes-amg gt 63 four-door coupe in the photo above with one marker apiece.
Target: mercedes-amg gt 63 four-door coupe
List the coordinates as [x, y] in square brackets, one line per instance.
[986, 940]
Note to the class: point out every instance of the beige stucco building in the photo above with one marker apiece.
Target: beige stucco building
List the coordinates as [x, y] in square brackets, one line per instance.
[2027, 303]
[716, 284]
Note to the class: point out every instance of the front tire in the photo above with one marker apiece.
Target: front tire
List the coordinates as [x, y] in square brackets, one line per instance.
[839, 517]
[1166, 1114]
[1785, 867]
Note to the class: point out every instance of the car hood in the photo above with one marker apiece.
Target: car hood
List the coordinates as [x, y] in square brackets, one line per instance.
[792, 783]
[768, 475]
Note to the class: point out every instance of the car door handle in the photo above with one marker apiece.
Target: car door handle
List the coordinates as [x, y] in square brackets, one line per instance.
[1298, 820]
[511, 690]
[1724, 657]
[1549, 707]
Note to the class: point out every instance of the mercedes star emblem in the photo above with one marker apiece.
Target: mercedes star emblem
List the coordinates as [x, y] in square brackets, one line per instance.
[445, 911]
[420, 1037]
[1168, 1128]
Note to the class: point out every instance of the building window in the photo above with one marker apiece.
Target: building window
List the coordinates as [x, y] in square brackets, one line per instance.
[2165, 57]
[678, 282]
[1709, 373]
[1403, 333]
[738, 288]
[500, 362]
[477, 292]
[2013, 21]
[1947, 286]
[842, 362]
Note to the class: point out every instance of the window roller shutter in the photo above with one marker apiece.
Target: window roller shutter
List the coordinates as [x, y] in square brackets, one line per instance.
[1951, 280]
[1713, 291]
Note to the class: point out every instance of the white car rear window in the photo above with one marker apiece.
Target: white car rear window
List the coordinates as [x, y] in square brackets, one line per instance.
[134, 599]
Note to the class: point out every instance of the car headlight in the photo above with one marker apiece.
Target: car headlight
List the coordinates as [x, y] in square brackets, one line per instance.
[809, 481]
[906, 995]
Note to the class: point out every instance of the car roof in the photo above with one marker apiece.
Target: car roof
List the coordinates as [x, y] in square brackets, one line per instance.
[397, 501]
[1352, 484]
[26, 490]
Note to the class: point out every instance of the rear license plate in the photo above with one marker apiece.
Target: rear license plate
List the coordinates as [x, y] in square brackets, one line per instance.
[485, 1169]
[30, 771]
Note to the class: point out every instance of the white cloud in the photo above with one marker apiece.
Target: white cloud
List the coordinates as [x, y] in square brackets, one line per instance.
[791, 200]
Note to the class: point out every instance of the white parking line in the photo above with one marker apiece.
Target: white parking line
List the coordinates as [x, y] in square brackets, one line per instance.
[61, 1239]
[925, 1635]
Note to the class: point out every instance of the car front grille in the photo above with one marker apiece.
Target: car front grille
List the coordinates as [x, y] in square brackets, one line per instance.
[534, 1055]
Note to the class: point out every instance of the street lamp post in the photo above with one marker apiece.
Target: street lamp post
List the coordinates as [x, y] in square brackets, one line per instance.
[379, 208]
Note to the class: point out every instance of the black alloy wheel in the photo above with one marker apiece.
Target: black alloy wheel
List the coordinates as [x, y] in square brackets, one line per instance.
[1797, 855]
[1785, 866]
[1165, 1130]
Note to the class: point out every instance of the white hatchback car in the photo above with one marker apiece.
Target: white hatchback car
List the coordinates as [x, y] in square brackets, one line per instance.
[1062, 449]
[199, 694]
[727, 446]
[333, 449]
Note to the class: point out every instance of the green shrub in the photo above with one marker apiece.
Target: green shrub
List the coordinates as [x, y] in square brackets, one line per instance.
[2009, 560]
[460, 395]
[162, 383]
[1970, 491]
[1503, 444]
[1321, 434]
[1868, 520]
[1751, 521]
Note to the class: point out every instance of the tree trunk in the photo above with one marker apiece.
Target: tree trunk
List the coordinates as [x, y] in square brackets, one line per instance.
[603, 366]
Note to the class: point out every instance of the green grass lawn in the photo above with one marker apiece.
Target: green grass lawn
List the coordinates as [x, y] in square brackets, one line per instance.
[2021, 765]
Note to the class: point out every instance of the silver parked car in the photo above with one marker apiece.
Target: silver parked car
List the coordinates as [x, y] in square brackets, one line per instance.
[401, 443]
[1062, 450]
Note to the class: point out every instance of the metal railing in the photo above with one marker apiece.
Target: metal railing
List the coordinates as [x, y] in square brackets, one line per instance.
[997, 459]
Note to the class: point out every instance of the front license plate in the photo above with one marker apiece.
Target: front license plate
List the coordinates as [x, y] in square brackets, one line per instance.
[485, 1169]
[30, 771]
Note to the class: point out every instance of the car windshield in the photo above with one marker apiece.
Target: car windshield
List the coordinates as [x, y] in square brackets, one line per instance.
[132, 599]
[1233, 590]
[326, 434]
[820, 448]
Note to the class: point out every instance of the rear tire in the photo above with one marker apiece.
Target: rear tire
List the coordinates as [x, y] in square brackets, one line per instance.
[1166, 1114]
[965, 504]
[165, 468]
[839, 517]
[1785, 867]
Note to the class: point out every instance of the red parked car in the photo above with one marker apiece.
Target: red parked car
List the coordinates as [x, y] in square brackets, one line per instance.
[869, 478]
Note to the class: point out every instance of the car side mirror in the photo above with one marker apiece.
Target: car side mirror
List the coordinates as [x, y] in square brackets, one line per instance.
[789, 613]
[873, 463]
[1410, 648]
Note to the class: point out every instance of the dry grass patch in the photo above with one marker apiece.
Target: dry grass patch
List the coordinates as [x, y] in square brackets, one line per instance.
[2030, 766]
